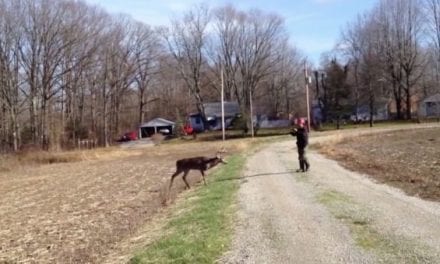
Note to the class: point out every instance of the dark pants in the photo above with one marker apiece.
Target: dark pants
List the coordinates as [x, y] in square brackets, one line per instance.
[304, 164]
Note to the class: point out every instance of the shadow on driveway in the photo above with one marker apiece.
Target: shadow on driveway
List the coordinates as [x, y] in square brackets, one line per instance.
[256, 175]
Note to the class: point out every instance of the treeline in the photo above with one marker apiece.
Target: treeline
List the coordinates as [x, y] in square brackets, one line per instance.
[391, 51]
[70, 70]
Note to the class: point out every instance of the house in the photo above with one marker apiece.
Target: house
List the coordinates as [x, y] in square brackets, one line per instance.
[430, 106]
[195, 121]
[157, 125]
[380, 111]
[213, 114]
[265, 122]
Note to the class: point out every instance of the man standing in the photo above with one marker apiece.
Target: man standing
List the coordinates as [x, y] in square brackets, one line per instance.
[302, 140]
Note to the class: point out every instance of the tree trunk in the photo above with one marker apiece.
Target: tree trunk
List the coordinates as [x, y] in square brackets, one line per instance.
[15, 130]
[397, 93]
[356, 92]
[371, 109]
[408, 98]
[104, 116]
[324, 99]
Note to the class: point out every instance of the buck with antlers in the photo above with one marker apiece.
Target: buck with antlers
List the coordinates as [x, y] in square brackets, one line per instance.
[196, 163]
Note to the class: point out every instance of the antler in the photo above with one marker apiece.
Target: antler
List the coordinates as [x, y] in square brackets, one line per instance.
[221, 151]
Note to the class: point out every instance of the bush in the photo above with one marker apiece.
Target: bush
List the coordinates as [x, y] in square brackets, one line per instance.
[157, 138]
[240, 123]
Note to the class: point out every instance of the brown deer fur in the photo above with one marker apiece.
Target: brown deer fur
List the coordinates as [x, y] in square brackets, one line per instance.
[197, 163]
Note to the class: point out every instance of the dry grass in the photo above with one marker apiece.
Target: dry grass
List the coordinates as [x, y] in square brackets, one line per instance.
[10, 162]
[80, 211]
[406, 159]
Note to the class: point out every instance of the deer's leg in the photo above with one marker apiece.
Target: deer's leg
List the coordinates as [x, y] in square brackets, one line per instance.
[184, 178]
[172, 178]
[203, 176]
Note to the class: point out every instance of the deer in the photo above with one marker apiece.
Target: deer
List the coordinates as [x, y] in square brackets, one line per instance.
[196, 163]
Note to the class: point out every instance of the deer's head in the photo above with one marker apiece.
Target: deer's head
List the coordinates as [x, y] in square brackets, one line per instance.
[219, 159]
[219, 156]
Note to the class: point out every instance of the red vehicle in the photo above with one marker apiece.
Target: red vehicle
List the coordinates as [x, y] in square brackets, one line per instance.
[129, 136]
[188, 130]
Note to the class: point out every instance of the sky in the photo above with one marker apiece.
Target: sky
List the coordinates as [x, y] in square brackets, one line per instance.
[314, 26]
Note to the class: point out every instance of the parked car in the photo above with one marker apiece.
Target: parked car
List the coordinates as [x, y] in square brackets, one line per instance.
[361, 117]
[188, 130]
[164, 131]
[129, 136]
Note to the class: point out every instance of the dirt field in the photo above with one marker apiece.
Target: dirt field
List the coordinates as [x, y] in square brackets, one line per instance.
[77, 212]
[409, 160]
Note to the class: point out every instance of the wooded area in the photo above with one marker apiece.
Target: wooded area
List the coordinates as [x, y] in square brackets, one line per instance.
[391, 52]
[71, 71]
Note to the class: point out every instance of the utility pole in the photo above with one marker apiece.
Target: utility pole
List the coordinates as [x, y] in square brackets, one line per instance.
[250, 102]
[307, 94]
[223, 103]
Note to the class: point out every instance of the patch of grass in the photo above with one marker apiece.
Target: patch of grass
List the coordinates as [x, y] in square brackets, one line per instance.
[331, 197]
[387, 123]
[238, 134]
[387, 248]
[202, 230]
[9, 162]
[50, 157]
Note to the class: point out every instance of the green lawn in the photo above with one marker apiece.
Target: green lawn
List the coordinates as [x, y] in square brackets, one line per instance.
[202, 230]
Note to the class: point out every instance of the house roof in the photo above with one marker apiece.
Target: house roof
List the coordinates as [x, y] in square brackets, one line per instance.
[215, 109]
[157, 122]
[433, 99]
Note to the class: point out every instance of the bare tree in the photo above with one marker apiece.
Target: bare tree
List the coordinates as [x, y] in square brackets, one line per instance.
[338, 90]
[352, 41]
[146, 51]
[226, 27]
[77, 62]
[400, 36]
[10, 95]
[371, 75]
[70, 71]
[285, 83]
[259, 36]
[432, 10]
[253, 51]
[362, 47]
[186, 40]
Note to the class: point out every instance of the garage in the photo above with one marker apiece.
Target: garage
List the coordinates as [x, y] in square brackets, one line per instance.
[157, 125]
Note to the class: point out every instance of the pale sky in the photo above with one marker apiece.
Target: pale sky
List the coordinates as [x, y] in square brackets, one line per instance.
[314, 25]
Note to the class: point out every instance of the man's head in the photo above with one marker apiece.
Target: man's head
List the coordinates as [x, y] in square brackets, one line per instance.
[301, 122]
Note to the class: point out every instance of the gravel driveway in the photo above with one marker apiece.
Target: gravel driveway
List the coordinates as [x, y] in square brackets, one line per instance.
[327, 215]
